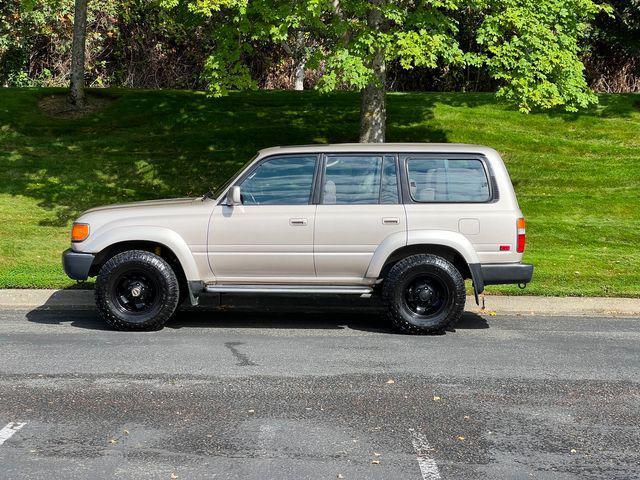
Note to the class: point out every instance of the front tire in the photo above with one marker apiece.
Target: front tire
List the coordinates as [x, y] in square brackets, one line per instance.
[424, 294]
[136, 290]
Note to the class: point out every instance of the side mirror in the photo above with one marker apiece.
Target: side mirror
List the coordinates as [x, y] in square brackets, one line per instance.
[233, 196]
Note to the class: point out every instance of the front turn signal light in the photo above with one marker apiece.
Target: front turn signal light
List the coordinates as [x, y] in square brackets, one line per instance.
[79, 232]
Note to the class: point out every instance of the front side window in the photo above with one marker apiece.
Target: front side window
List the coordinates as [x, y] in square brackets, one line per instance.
[280, 181]
[447, 180]
[352, 180]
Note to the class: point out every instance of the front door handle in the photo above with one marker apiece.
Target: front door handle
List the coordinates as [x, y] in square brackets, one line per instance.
[298, 222]
[390, 221]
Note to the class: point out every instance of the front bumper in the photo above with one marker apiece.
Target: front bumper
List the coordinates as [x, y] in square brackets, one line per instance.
[77, 264]
[498, 274]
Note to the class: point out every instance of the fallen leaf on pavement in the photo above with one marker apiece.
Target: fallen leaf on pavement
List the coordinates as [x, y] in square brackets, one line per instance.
[436, 398]
[460, 437]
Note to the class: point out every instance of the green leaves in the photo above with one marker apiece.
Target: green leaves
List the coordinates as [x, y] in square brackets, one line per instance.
[531, 47]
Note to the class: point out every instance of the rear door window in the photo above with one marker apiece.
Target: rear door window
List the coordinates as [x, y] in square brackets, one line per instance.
[447, 180]
[352, 180]
[389, 193]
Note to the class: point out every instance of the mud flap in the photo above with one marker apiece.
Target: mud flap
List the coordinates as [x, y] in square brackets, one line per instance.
[477, 280]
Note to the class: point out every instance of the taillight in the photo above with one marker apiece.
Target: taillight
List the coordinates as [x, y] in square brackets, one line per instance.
[522, 236]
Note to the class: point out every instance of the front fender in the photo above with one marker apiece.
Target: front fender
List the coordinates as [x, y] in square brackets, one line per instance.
[161, 235]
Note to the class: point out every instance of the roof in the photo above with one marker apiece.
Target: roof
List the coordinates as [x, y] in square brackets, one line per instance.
[379, 148]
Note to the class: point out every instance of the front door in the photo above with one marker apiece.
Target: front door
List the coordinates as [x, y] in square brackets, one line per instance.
[269, 238]
[359, 207]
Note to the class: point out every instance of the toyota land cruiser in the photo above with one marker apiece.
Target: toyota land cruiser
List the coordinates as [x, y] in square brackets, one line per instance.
[409, 222]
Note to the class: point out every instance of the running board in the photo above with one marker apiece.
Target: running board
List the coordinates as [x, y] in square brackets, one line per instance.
[312, 289]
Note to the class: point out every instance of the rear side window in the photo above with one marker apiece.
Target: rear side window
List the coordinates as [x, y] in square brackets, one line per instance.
[389, 188]
[447, 180]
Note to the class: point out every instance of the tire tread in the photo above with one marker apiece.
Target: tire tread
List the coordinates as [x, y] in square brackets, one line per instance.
[169, 295]
[394, 313]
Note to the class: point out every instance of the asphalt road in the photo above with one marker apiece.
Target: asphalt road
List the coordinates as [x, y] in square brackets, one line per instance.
[323, 395]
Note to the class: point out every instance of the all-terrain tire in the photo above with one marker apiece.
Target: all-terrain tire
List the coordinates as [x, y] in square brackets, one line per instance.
[163, 291]
[438, 272]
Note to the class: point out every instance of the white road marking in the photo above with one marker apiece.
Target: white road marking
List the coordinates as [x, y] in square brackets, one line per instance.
[428, 466]
[10, 428]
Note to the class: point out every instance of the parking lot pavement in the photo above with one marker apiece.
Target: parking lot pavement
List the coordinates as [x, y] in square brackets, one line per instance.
[335, 394]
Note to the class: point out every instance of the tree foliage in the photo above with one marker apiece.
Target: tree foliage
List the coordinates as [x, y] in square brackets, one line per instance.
[531, 51]
[531, 47]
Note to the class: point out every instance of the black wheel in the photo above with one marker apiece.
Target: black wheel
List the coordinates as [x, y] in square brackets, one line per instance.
[136, 290]
[424, 294]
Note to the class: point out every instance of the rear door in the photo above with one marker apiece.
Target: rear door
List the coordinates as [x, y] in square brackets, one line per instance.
[359, 206]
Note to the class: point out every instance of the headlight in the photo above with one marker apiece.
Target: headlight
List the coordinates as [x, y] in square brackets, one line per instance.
[79, 232]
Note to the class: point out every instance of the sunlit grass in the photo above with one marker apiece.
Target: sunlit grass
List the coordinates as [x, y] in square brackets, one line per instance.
[577, 175]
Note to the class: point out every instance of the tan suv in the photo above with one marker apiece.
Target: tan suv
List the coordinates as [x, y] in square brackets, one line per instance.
[409, 222]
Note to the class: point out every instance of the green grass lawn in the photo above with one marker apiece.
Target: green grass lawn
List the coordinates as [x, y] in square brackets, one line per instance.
[577, 175]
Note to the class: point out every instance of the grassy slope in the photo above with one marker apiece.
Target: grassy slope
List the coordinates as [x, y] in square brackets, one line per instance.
[577, 175]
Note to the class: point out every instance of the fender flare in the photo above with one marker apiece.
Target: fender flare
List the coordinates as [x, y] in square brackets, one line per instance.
[453, 240]
[164, 236]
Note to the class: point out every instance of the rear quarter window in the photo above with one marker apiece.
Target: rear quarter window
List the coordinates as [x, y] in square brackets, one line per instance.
[447, 180]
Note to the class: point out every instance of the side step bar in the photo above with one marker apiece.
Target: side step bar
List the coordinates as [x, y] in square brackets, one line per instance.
[312, 289]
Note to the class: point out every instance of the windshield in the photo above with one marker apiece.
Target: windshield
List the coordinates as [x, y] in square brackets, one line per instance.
[217, 191]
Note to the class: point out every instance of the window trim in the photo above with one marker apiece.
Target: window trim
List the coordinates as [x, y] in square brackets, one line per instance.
[407, 198]
[252, 168]
[382, 155]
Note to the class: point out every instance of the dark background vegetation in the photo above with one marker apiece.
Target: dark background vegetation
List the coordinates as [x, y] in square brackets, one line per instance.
[139, 44]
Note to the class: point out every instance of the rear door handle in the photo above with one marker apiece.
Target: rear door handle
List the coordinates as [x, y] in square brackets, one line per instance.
[391, 221]
[297, 222]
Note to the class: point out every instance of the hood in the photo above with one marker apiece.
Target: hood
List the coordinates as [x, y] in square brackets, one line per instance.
[170, 202]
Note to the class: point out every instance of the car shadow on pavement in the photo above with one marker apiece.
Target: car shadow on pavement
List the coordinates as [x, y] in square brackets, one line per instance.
[332, 319]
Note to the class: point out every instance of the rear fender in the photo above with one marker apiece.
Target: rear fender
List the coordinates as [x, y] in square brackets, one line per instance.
[453, 240]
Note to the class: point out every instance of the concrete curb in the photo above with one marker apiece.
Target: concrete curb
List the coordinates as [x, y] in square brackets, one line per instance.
[15, 299]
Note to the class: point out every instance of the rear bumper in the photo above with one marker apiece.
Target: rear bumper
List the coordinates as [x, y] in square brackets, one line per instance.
[498, 274]
[77, 264]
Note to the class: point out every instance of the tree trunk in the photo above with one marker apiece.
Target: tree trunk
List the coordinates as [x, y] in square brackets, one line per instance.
[373, 110]
[77, 95]
[298, 73]
[299, 60]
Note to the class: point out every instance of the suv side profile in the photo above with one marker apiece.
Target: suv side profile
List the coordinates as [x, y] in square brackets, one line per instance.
[409, 222]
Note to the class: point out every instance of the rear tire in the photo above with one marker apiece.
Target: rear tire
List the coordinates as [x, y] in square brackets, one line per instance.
[424, 294]
[136, 290]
